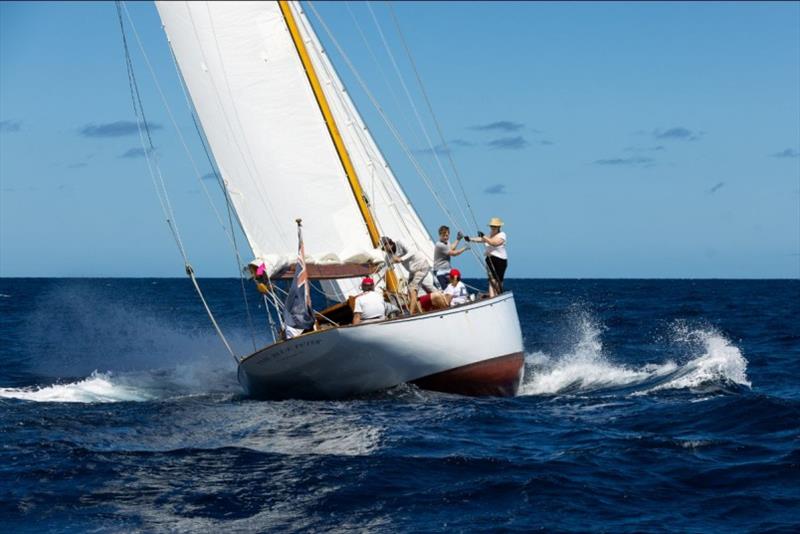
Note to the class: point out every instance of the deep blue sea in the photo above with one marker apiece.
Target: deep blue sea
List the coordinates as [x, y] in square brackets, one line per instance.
[665, 405]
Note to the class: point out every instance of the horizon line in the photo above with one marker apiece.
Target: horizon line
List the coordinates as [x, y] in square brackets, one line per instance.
[465, 278]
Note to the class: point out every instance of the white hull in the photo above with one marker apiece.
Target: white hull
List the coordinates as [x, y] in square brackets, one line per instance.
[472, 349]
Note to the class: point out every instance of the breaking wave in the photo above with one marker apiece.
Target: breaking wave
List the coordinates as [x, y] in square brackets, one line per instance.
[716, 366]
[99, 387]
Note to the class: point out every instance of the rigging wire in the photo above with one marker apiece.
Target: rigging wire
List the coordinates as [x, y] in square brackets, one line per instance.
[226, 195]
[433, 115]
[148, 146]
[393, 130]
[160, 185]
[438, 129]
[385, 118]
[377, 64]
[422, 127]
[172, 118]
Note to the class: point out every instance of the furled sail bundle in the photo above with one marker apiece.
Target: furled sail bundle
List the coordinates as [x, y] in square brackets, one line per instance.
[270, 140]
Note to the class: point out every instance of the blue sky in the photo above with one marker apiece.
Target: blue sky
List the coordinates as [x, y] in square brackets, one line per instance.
[615, 139]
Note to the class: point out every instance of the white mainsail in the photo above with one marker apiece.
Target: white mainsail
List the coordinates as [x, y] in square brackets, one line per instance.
[269, 138]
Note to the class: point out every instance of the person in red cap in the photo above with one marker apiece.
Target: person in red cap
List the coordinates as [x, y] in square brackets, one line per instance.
[369, 305]
[456, 292]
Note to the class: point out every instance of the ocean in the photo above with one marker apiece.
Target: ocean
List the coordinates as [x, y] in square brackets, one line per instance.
[647, 405]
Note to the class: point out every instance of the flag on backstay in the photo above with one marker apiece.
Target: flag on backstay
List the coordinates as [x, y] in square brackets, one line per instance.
[298, 312]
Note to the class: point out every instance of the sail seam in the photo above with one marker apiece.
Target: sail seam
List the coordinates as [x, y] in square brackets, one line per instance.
[246, 159]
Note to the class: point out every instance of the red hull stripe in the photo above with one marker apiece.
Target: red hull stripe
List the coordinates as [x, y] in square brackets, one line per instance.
[497, 377]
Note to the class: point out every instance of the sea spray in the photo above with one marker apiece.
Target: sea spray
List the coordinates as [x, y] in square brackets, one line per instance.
[98, 387]
[721, 363]
[73, 331]
[585, 368]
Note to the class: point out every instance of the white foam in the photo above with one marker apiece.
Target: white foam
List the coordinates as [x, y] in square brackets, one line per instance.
[98, 387]
[590, 374]
[586, 368]
[721, 362]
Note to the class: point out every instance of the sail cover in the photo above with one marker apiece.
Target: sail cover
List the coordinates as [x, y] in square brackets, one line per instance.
[269, 138]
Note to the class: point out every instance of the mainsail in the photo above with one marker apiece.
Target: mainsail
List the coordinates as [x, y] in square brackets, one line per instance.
[270, 141]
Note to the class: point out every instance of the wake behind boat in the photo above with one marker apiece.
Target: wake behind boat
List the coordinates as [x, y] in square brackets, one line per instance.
[288, 142]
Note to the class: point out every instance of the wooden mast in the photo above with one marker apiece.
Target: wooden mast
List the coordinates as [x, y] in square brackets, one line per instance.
[341, 150]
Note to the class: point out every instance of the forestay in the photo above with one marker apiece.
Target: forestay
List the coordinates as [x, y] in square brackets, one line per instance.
[269, 139]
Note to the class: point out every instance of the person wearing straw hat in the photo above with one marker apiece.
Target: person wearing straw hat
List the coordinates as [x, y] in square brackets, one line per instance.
[496, 255]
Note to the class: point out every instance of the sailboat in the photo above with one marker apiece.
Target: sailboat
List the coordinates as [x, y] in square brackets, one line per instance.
[290, 144]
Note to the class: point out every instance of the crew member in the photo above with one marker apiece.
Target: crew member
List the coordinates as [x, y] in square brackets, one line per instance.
[258, 272]
[419, 270]
[496, 255]
[442, 252]
[369, 305]
[456, 292]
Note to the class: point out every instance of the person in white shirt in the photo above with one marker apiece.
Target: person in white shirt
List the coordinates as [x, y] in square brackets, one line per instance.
[496, 255]
[419, 270]
[369, 305]
[456, 292]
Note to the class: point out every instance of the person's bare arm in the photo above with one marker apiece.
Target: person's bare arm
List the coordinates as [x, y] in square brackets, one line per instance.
[356, 318]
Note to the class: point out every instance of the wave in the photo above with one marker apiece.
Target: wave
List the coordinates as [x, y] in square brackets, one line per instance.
[99, 387]
[585, 368]
[142, 386]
